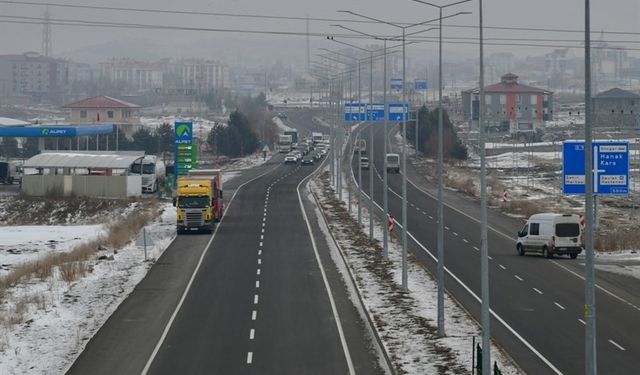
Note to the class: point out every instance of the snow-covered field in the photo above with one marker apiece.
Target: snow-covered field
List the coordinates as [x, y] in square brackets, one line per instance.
[47, 322]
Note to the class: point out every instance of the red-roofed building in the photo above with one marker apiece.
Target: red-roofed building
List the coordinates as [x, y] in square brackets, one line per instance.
[102, 109]
[509, 106]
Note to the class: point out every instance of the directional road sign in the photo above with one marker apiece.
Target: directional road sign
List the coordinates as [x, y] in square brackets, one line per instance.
[355, 111]
[420, 84]
[395, 111]
[396, 83]
[610, 167]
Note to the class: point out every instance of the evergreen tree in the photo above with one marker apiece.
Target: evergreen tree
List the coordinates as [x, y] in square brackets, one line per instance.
[164, 135]
[428, 120]
[143, 139]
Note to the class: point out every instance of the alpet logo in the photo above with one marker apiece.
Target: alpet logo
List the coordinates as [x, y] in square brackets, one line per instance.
[44, 131]
[182, 130]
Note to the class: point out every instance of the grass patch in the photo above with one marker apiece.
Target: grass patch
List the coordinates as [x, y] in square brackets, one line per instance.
[74, 264]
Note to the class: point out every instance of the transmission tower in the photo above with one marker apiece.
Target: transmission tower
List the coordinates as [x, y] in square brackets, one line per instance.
[46, 34]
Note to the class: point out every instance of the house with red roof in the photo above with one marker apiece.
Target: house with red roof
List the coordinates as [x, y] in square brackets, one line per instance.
[510, 107]
[102, 109]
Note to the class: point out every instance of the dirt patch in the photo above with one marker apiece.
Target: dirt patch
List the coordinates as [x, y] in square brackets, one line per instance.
[22, 210]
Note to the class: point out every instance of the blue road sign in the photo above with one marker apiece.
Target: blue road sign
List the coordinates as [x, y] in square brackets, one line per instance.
[396, 83]
[396, 110]
[420, 84]
[375, 112]
[354, 111]
[610, 167]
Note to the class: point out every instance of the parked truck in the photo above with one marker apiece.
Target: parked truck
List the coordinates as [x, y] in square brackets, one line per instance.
[198, 200]
[285, 143]
[10, 172]
[153, 173]
[316, 137]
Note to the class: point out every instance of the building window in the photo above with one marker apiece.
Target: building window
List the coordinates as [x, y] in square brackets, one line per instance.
[534, 99]
[83, 114]
[503, 99]
[487, 99]
[110, 114]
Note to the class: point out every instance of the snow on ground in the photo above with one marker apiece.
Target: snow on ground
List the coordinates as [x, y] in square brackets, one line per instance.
[404, 321]
[60, 318]
[26, 243]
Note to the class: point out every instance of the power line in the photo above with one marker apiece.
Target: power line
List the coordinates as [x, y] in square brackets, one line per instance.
[121, 25]
[296, 18]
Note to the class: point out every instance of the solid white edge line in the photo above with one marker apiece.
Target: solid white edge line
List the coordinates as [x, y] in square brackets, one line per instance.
[475, 296]
[145, 370]
[511, 238]
[343, 340]
[617, 345]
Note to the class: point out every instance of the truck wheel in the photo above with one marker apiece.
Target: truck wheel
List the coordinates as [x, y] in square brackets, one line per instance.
[546, 253]
[520, 249]
[573, 255]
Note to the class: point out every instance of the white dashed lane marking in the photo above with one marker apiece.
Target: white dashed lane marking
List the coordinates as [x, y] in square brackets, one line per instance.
[249, 358]
[255, 299]
[559, 305]
[538, 291]
[501, 266]
[254, 315]
[518, 277]
[617, 345]
[258, 271]
[252, 334]
[257, 283]
[582, 321]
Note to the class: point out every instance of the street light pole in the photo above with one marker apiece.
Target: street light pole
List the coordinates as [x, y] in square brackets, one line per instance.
[440, 229]
[371, 150]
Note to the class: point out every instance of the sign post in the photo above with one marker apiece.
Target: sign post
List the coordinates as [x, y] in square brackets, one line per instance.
[185, 151]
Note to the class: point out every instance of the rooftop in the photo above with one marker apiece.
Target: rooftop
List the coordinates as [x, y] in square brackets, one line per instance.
[509, 84]
[616, 93]
[84, 159]
[101, 102]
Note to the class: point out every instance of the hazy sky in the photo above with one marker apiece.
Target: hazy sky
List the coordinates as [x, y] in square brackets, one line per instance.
[610, 15]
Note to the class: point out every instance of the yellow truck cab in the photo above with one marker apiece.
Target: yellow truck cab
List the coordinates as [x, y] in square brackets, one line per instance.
[198, 200]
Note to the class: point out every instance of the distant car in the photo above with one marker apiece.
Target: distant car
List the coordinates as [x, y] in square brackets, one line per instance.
[308, 160]
[322, 151]
[282, 115]
[364, 162]
[316, 155]
[291, 158]
[298, 154]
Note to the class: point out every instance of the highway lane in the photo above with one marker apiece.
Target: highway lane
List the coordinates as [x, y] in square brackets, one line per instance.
[124, 343]
[258, 303]
[539, 300]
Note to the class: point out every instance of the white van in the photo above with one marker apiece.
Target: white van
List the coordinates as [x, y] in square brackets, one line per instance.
[550, 234]
[393, 163]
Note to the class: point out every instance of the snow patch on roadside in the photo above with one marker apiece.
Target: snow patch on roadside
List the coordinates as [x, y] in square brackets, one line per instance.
[404, 321]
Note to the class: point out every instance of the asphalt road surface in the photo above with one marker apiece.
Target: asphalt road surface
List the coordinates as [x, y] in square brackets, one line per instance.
[257, 302]
[537, 303]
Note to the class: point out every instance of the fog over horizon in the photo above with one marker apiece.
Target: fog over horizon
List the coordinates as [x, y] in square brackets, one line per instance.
[91, 44]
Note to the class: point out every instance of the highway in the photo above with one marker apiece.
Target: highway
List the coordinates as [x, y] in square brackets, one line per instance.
[537, 303]
[259, 296]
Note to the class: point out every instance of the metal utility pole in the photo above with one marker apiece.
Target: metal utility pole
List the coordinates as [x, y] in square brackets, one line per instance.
[485, 316]
[385, 184]
[440, 229]
[371, 212]
[591, 367]
[405, 283]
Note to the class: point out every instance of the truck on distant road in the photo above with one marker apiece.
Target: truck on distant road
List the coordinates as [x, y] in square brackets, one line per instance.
[294, 135]
[285, 143]
[316, 137]
[393, 163]
[198, 200]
